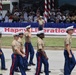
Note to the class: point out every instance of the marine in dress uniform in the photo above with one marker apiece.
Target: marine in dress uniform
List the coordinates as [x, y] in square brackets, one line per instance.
[29, 50]
[17, 56]
[2, 57]
[21, 34]
[68, 53]
[41, 55]
[41, 23]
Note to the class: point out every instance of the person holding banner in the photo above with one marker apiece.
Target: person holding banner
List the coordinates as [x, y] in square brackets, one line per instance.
[41, 55]
[28, 46]
[41, 23]
[68, 53]
[2, 57]
[17, 57]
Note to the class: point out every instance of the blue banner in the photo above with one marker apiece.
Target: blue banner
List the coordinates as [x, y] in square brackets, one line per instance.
[35, 25]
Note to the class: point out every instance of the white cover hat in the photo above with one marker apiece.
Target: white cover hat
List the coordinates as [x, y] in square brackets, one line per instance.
[69, 28]
[20, 32]
[29, 26]
[40, 32]
[14, 34]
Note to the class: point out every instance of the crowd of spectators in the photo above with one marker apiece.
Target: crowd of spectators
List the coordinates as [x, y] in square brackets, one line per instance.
[28, 15]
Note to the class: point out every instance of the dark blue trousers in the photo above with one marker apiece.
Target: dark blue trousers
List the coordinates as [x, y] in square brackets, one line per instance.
[17, 62]
[29, 51]
[40, 27]
[41, 59]
[2, 60]
[69, 63]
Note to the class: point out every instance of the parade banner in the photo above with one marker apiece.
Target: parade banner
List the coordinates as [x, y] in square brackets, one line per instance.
[47, 31]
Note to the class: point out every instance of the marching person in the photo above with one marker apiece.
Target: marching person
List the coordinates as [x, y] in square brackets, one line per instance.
[68, 53]
[41, 55]
[17, 56]
[28, 46]
[41, 23]
[2, 57]
[21, 34]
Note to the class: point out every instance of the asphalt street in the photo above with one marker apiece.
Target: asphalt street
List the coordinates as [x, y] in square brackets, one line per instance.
[56, 63]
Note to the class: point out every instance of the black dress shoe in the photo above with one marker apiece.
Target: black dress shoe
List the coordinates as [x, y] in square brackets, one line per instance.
[3, 68]
[29, 64]
[41, 72]
[17, 70]
[49, 71]
[33, 64]
[27, 69]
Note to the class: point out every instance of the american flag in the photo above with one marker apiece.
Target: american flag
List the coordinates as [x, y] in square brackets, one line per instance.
[0, 5]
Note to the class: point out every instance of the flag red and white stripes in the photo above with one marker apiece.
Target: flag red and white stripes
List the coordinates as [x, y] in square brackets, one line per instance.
[53, 4]
[49, 8]
[0, 5]
[45, 11]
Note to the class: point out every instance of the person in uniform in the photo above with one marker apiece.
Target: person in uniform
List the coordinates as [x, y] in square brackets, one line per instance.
[41, 23]
[41, 55]
[68, 53]
[2, 57]
[21, 34]
[28, 46]
[17, 56]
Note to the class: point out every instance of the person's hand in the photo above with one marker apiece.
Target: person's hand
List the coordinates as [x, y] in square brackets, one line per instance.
[23, 55]
[72, 52]
[70, 56]
[47, 58]
[0, 53]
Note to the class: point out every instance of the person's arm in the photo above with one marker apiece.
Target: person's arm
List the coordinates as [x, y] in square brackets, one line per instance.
[67, 42]
[0, 53]
[41, 50]
[68, 49]
[20, 53]
[44, 54]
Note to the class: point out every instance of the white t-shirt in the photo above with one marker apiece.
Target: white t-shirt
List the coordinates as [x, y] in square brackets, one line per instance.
[30, 18]
[1, 17]
[16, 13]
[35, 19]
[6, 19]
[26, 16]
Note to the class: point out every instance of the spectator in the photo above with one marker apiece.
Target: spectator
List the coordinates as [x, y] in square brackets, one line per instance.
[30, 17]
[62, 19]
[15, 18]
[21, 19]
[68, 19]
[25, 16]
[16, 12]
[35, 19]
[11, 18]
[52, 18]
[1, 17]
[6, 18]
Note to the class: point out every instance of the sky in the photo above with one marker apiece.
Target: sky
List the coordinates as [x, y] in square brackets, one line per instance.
[62, 2]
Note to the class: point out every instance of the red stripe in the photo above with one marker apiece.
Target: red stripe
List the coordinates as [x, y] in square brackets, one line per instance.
[26, 50]
[38, 66]
[13, 62]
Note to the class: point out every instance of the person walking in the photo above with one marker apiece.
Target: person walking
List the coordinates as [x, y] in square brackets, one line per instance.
[2, 57]
[17, 56]
[68, 53]
[29, 50]
[41, 55]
